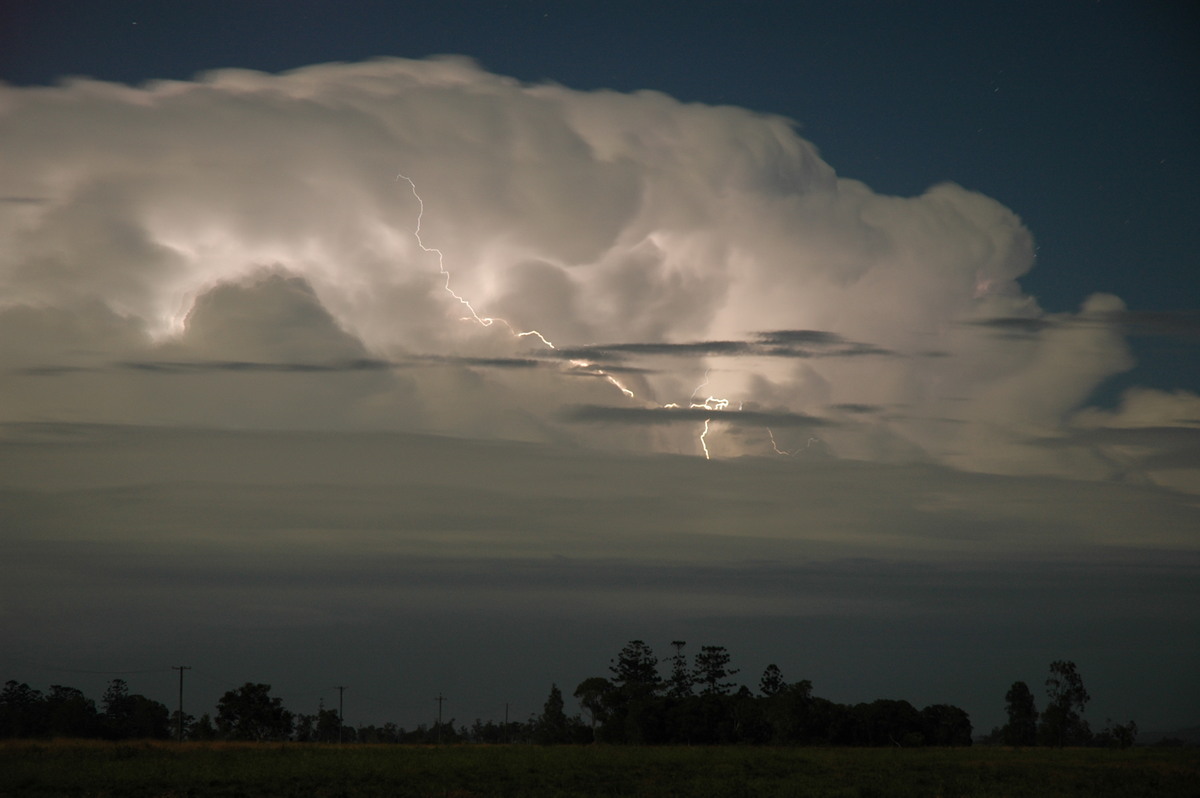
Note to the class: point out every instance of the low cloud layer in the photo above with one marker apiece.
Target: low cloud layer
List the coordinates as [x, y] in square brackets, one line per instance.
[244, 250]
[395, 561]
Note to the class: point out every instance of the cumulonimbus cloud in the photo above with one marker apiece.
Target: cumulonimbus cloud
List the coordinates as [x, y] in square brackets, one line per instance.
[251, 218]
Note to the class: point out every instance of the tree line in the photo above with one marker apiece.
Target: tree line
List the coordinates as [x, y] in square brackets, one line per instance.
[694, 702]
[1061, 723]
[248, 713]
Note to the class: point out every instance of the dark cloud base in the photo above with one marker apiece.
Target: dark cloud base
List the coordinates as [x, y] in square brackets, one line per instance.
[801, 344]
[602, 414]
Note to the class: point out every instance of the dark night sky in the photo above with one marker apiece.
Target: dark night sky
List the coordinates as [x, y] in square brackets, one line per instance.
[1030, 486]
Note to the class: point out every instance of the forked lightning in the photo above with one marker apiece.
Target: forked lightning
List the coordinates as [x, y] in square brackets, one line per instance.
[712, 403]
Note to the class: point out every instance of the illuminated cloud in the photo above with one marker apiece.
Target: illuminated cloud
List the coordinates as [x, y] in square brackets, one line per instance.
[239, 250]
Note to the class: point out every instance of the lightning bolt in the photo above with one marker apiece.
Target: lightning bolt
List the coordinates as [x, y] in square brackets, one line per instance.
[711, 403]
[703, 442]
[587, 367]
[583, 366]
[718, 404]
[484, 321]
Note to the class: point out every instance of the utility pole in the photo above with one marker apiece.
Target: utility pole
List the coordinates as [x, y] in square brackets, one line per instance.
[439, 699]
[181, 669]
[341, 717]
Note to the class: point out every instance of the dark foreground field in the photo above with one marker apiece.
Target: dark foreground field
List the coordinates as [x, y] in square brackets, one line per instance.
[80, 768]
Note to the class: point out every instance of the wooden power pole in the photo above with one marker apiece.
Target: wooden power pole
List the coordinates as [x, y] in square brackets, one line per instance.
[341, 718]
[181, 669]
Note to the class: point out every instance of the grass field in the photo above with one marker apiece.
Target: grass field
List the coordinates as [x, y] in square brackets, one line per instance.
[84, 768]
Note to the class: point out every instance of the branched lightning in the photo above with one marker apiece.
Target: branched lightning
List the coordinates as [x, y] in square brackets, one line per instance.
[485, 321]
[718, 404]
[710, 403]
[583, 366]
[587, 367]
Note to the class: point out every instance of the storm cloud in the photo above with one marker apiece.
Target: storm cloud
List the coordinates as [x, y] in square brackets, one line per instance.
[244, 224]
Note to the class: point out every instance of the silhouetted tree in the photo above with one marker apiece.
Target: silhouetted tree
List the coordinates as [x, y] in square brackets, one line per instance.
[117, 709]
[594, 696]
[789, 711]
[1062, 720]
[749, 718]
[251, 713]
[1125, 735]
[636, 668]
[552, 726]
[493, 733]
[772, 681]
[635, 712]
[114, 695]
[389, 733]
[132, 716]
[887, 722]
[1021, 728]
[680, 684]
[1120, 735]
[838, 723]
[304, 728]
[712, 669]
[69, 713]
[203, 729]
[329, 727]
[944, 724]
[21, 710]
[441, 733]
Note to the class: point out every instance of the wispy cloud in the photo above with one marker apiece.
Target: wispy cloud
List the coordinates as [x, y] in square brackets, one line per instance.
[784, 344]
[858, 409]
[193, 367]
[1166, 323]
